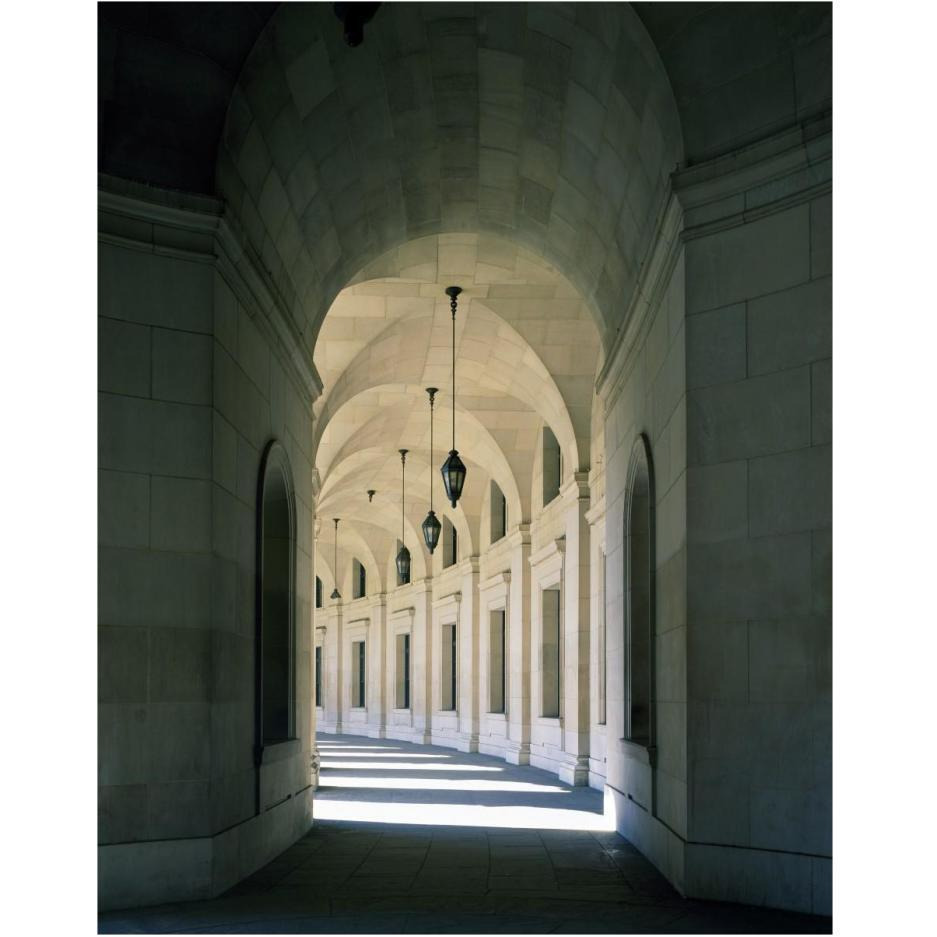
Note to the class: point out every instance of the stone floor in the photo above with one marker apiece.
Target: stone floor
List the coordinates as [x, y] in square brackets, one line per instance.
[420, 839]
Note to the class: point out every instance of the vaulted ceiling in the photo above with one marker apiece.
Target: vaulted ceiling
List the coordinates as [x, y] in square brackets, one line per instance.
[521, 151]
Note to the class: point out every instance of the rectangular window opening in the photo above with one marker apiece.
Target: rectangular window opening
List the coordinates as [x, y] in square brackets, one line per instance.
[550, 654]
[497, 663]
[357, 674]
[449, 663]
[402, 672]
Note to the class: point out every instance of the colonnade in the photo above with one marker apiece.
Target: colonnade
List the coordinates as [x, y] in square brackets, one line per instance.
[499, 653]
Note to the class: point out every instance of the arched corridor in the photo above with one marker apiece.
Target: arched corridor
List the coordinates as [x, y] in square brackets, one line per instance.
[392, 851]
[584, 247]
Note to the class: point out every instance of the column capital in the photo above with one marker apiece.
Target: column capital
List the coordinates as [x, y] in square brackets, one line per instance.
[577, 488]
[519, 536]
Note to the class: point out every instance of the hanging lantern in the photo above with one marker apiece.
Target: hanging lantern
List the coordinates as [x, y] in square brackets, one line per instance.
[403, 557]
[431, 526]
[453, 469]
[335, 593]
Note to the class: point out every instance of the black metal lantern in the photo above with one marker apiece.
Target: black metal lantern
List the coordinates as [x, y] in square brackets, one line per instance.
[403, 557]
[453, 476]
[335, 593]
[431, 526]
[453, 469]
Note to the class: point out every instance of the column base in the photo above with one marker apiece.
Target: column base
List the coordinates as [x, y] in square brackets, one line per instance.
[517, 753]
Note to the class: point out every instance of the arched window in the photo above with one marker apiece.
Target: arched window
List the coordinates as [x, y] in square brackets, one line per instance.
[499, 513]
[552, 466]
[275, 643]
[639, 596]
[318, 592]
[359, 586]
[450, 543]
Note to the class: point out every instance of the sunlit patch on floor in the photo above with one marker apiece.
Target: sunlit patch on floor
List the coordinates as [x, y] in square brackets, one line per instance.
[481, 815]
[437, 784]
[406, 766]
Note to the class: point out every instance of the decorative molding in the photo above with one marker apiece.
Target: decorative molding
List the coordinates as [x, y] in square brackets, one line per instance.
[470, 565]
[519, 536]
[498, 580]
[453, 598]
[783, 170]
[407, 610]
[200, 228]
[596, 513]
[577, 488]
[747, 168]
[552, 549]
[752, 182]
[654, 278]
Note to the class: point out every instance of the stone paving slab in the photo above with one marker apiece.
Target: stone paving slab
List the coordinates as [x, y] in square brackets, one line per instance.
[410, 878]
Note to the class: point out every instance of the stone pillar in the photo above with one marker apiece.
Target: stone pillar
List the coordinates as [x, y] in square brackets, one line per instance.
[758, 517]
[422, 621]
[193, 387]
[518, 625]
[598, 646]
[469, 626]
[379, 665]
[333, 659]
[575, 703]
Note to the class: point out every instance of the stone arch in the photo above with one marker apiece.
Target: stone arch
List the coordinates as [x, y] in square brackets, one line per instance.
[366, 440]
[553, 127]
[492, 357]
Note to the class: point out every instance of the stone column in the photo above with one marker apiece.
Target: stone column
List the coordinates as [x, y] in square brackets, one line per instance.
[423, 625]
[468, 689]
[575, 702]
[518, 624]
[379, 665]
[598, 646]
[334, 690]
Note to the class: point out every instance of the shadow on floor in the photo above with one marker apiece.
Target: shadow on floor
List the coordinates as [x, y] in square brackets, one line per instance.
[409, 874]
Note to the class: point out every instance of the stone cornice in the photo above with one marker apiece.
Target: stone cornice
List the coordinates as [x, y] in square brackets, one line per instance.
[199, 228]
[453, 598]
[499, 580]
[550, 550]
[786, 169]
[750, 165]
[783, 170]
[519, 536]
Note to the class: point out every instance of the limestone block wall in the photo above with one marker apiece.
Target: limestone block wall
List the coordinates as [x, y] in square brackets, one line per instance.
[644, 389]
[191, 388]
[758, 500]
